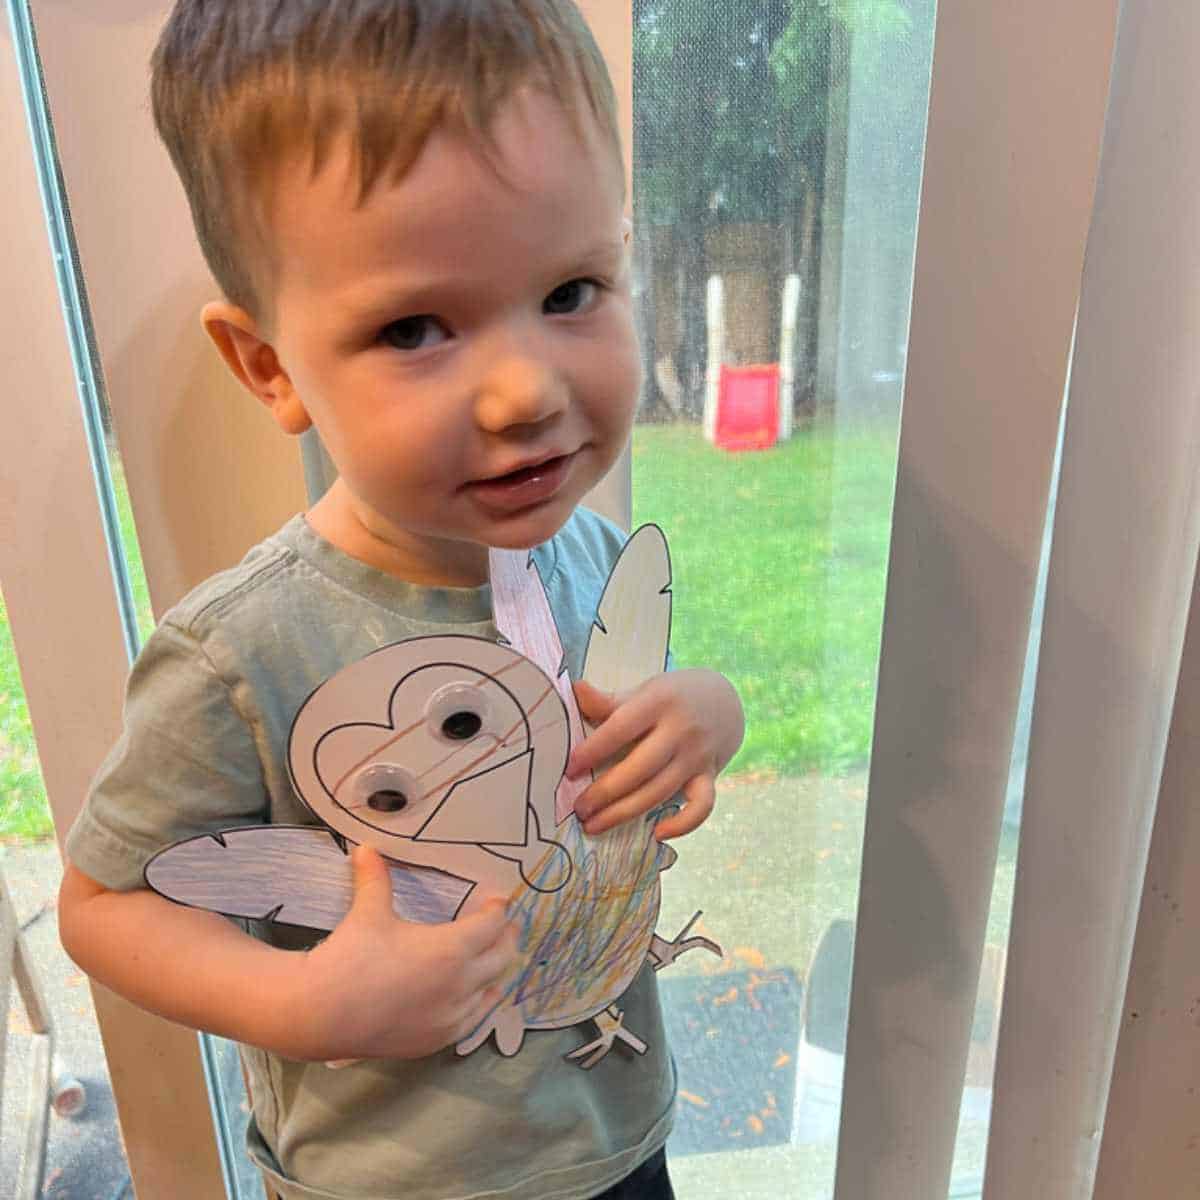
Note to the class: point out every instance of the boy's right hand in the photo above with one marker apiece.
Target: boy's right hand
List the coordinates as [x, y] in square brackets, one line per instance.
[380, 987]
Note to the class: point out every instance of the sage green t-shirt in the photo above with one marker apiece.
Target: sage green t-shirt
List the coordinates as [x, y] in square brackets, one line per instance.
[210, 703]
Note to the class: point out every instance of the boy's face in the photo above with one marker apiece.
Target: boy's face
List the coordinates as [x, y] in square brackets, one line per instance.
[463, 341]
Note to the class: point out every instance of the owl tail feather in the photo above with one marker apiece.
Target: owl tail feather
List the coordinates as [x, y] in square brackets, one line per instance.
[522, 614]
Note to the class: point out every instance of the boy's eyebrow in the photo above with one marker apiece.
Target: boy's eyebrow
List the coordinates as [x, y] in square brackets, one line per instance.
[420, 290]
[600, 256]
[607, 249]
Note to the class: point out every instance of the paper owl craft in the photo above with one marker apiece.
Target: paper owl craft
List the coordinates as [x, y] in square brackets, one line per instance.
[446, 754]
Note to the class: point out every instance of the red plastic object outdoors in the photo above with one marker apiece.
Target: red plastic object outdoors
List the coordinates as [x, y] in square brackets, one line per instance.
[748, 408]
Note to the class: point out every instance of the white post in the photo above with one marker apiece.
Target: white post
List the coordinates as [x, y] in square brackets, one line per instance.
[787, 355]
[716, 353]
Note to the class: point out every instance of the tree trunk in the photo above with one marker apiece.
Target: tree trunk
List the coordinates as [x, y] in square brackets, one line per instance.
[808, 323]
[693, 218]
[653, 408]
[691, 360]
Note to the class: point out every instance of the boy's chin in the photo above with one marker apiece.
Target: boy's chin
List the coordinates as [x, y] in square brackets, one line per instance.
[528, 528]
[534, 535]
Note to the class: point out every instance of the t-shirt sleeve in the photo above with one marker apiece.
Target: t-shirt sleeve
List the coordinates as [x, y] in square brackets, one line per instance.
[186, 764]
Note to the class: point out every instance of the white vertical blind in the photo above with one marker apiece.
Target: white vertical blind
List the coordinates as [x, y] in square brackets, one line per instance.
[1149, 1140]
[1016, 115]
[1120, 582]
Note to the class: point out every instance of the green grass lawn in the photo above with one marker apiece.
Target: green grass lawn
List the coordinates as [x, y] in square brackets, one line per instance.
[22, 796]
[778, 560]
[779, 565]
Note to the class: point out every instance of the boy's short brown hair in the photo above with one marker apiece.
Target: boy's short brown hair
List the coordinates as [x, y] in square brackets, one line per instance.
[240, 86]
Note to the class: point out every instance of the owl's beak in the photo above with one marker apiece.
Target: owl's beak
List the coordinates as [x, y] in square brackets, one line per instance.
[489, 808]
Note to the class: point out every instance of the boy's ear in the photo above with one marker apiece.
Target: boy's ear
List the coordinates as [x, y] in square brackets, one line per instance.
[253, 360]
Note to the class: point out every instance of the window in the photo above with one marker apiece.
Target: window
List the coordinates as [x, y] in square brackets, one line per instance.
[777, 172]
[778, 168]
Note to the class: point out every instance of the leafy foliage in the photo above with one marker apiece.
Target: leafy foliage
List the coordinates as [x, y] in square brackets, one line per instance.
[23, 811]
[740, 116]
[729, 93]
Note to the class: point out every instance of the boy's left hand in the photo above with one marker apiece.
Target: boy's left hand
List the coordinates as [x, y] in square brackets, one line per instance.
[679, 728]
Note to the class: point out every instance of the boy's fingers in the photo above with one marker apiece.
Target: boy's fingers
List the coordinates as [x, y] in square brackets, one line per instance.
[700, 795]
[483, 929]
[593, 703]
[649, 796]
[488, 967]
[622, 726]
[639, 766]
[372, 882]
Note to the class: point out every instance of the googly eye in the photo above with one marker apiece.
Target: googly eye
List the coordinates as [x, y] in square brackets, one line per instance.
[387, 800]
[462, 725]
[457, 712]
[384, 788]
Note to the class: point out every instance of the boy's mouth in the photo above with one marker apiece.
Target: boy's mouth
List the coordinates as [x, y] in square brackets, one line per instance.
[525, 486]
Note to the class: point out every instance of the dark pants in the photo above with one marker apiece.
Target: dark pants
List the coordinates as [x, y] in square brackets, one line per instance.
[649, 1182]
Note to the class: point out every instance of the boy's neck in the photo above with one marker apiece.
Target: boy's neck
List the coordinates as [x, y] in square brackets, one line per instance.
[428, 562]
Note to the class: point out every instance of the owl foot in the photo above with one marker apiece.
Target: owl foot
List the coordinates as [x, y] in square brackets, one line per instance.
[509, 1027]
[610, 1023]
[664, 953]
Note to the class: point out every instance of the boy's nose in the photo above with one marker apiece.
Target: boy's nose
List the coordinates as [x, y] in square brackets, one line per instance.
[519, 390]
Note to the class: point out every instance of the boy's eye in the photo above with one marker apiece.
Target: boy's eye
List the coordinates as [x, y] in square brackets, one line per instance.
[414, 333]
[570, 297]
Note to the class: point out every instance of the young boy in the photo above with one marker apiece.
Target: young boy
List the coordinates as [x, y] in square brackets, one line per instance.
[414, 209]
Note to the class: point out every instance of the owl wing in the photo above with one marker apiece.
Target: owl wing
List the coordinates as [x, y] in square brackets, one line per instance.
[290, 875]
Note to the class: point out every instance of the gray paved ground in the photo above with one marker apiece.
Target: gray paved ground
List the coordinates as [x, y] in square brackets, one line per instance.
[85, 1160]
[776, 862]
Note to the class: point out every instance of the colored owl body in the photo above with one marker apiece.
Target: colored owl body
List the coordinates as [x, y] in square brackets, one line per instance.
[582, 946]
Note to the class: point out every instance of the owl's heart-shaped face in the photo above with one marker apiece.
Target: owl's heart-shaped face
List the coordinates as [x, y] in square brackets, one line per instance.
[449, 726]
[431, 743]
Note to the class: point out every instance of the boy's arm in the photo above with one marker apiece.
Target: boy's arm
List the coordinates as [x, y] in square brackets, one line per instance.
[377, 987]
[680, 728]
